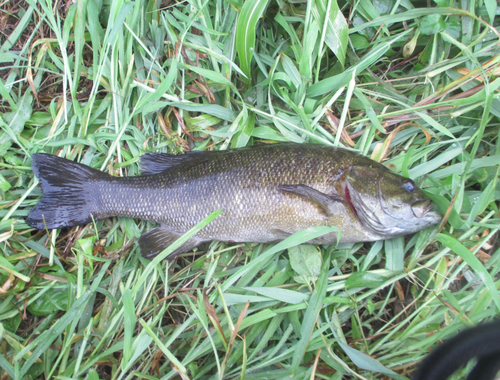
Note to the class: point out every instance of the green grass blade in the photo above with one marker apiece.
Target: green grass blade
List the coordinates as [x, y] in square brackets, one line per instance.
[311, 315]
[474, 263]
[245, 33]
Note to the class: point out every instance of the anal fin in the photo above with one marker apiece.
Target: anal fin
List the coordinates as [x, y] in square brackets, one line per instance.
[156, 240]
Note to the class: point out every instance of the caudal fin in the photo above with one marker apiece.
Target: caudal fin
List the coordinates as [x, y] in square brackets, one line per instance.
[67, 199]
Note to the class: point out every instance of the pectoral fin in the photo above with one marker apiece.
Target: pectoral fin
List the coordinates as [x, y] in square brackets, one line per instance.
[322, 200]
[156, 240]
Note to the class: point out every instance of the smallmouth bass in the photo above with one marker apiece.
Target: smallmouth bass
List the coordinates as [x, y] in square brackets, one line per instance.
[266, 193]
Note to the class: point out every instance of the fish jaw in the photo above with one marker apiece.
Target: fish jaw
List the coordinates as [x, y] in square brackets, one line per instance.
[424, 211]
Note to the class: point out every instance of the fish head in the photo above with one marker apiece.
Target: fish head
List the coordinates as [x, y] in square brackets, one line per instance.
[386, 203]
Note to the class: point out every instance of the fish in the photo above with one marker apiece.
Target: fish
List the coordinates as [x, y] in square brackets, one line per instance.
[266, 193]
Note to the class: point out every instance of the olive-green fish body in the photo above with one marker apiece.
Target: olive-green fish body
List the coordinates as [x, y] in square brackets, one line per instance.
[266, 193]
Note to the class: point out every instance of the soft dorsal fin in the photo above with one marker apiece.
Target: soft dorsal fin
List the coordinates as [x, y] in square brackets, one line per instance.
[322, 200]
[155, 163]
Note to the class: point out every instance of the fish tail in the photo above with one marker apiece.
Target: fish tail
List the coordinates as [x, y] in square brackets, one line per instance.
[66, 192]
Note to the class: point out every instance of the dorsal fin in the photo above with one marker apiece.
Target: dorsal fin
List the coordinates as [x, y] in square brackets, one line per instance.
[155, 163]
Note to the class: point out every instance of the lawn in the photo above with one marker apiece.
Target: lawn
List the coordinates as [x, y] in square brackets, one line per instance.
[411, 84]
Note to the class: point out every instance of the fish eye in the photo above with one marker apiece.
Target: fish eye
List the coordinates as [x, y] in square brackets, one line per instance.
[409, 186]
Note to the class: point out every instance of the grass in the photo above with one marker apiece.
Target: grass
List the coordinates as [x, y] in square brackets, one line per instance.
[409, 83]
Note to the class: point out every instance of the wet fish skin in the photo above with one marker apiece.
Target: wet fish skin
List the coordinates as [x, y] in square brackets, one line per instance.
[266, 193]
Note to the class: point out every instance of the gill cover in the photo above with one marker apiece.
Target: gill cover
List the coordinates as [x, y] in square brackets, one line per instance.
[387, 203]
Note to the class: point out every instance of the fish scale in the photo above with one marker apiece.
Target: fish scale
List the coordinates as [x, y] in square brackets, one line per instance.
[266, 193]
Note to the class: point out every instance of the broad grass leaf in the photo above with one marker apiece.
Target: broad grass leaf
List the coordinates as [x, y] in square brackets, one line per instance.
[394, 251]
[4, 363]
[40, 344]
[364, 280]
[486, 197]
[129, 321]
[11, 325]
[211, 109]
[359, 41]
[210, 75]
[309, 53]
[37, 247]
[368, 363]
[105, 354]
[165, 85]
[433, 123]
[79, 32]
[283, 295]
[141, 343]
[459, 168]
[296, 45]
[432, 24]
[290, 70]
[244, 124]
[131, 228]
[267, 133]
[444, 157]
[305, 260]
[370, 112]
[332, 84]
[474, 263]
[9, 268]
[310, 316]
[14, 123]
[50, 302]
[116, 21]
[163, 347]
[253, 319]
[296, 239]
[269, 329]
[491, 8]
[336, 31]
[245, 33]
[4, 184]
[86, 245]
[453, 28]
[481, 304]
[442, 204]
[18, 31]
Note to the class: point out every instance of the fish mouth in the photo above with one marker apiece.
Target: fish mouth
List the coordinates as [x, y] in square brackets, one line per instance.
[424, 210]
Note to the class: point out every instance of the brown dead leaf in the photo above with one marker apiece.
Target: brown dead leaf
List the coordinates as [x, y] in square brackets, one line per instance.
[213, 315]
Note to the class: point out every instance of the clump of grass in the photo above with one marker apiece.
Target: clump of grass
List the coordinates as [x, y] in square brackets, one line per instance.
[411, 85]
